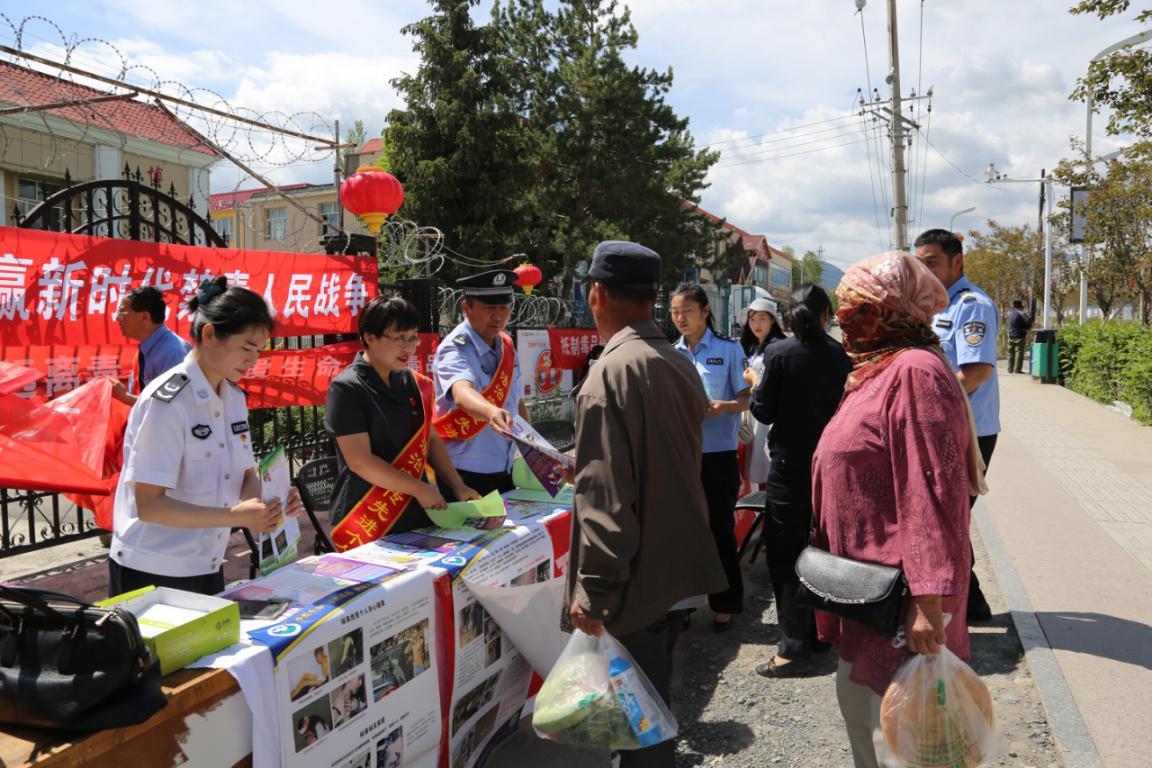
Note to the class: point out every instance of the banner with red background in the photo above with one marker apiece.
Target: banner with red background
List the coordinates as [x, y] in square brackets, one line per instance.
[571, 346]
[63, 289]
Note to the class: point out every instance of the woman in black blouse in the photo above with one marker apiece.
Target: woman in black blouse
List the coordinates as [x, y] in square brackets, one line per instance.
[375, 412]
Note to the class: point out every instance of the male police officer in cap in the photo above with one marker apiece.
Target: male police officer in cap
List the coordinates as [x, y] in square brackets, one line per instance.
[478, 385]
[641, 550]
[968, 332]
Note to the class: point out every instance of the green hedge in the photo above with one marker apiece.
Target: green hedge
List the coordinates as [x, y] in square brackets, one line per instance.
[1108, 362]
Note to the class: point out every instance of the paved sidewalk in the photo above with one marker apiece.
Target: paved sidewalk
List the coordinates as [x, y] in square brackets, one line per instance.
[1070, 517]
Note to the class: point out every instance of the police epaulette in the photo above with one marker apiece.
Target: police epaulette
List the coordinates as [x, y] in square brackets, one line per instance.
[460, 339]
[171, 387]
[970, 297]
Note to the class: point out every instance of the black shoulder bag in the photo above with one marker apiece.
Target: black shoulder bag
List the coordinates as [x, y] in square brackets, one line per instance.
[68, 665]
[867, 593]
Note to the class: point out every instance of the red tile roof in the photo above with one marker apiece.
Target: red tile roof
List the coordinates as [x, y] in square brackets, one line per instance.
[23, 87]
[223, 200]
[748, 242]
[371, 147]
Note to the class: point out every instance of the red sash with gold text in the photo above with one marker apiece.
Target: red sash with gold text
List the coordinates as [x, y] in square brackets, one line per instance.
[379, 509]
[458, 424]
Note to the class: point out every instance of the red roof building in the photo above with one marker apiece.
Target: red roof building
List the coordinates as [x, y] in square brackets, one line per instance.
[23, 87]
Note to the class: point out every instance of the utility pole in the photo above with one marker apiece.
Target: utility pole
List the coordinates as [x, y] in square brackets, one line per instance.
[899, 191]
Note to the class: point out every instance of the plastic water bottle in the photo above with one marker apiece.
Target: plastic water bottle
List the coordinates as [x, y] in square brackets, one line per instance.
[631, 695]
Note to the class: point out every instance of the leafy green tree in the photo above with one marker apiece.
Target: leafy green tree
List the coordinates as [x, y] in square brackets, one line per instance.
[610, 155]
[1121, 81]
[458, 145]
[811, 268]
[1118, 226]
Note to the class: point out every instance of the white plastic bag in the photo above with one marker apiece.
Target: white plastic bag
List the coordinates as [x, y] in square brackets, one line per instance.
[937, 713]
[596, 696]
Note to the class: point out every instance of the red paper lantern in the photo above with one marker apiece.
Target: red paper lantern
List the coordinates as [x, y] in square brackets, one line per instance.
[528, 276]
[373, 194]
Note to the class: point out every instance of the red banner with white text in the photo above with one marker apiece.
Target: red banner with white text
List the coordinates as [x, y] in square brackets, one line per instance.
[63, 289]
[571, 346]
[283, 377]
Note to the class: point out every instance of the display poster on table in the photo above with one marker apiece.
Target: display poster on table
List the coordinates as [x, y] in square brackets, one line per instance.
[360, 688]
[491, 678]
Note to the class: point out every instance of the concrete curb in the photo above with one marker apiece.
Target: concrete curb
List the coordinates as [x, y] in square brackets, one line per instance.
[1068, 725]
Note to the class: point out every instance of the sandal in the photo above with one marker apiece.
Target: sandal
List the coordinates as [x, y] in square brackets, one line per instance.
[796, 668]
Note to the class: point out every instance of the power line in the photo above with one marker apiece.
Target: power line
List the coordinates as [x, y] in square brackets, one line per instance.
[780, 130]
[960, 170]
[793, 154]
[872, 181]
[787, 147]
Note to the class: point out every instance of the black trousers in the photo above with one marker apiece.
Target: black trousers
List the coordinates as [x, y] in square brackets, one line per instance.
[123, 579]
[987, 445]
[481, 482]
[720, 474]
[787, 530]
[652, 648]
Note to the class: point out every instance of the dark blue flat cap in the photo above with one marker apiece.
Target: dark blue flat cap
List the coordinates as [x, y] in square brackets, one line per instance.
[621, 264]
[491, 287]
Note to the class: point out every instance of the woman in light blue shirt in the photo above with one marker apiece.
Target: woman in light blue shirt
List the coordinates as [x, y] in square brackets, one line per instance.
[721, 363]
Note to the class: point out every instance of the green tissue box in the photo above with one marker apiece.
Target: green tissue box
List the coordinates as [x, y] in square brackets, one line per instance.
[180, 627]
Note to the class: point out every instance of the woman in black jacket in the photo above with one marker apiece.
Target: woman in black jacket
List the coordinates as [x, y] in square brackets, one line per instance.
[801, 387]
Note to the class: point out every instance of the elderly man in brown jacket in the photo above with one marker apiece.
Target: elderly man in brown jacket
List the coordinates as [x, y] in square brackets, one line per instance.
[641, 546]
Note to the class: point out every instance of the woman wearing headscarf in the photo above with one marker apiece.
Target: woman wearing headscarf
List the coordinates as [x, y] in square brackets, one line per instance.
[759, 327]
[802, 385]
[891, 478]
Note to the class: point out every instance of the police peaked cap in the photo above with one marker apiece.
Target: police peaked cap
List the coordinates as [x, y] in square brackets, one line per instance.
[491, 287]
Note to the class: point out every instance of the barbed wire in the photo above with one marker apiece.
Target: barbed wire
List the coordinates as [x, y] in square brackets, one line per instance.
[79, 68]
[527, 311]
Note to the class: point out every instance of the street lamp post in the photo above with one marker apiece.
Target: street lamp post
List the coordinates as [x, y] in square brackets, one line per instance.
[996, 177]
[1136, 39]
[958, 214]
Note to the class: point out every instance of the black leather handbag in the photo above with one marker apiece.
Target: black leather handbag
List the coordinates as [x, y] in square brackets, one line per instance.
[867, 593]
[68, 665]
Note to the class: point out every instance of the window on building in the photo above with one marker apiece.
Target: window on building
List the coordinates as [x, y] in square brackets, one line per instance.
[330, 212]
[223, 228]
[31, 192]
[276, 223]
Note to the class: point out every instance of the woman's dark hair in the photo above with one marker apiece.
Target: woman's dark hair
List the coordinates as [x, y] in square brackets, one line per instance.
[230, 310]
[695, 293]
[750, 344]
[384, 312]
[806, 318]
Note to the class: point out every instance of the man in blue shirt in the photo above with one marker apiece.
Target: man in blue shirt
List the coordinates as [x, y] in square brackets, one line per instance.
[968, 330]
[467, 360]
[140, 315]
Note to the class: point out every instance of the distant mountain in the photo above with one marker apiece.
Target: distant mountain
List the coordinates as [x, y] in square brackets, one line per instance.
[830, 277]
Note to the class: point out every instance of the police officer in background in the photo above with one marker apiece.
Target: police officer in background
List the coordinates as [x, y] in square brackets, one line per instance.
[967, 328]
[720, 363]
[478, 387]
[140, 315]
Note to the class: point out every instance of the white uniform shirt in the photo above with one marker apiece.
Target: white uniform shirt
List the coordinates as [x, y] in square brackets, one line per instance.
[184, 437]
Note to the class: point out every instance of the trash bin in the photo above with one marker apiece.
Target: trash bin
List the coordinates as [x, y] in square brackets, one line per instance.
[1046, 357]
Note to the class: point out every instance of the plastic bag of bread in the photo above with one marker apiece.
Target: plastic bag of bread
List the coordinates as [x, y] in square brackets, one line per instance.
[596, 696]
[937, 713]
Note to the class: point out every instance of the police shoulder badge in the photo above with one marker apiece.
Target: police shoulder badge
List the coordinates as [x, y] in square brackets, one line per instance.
[201, 431]
[460, 339]
[171, 387]
[973, 332]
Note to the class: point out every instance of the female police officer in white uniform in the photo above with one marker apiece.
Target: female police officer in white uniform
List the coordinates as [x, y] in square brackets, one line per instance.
[189, 473]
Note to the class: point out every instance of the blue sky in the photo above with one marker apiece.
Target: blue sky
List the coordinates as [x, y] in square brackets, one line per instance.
[746, 72]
